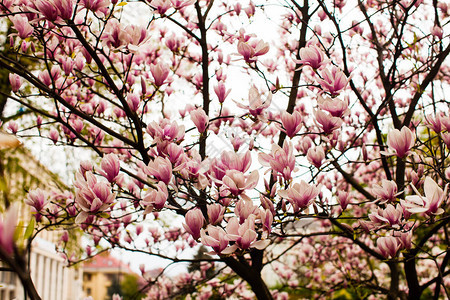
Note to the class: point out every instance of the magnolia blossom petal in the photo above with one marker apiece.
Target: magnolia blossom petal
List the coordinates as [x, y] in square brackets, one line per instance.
[262, 244]
[230, 249]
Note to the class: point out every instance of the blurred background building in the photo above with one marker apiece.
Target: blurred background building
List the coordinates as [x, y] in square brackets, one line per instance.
[19, 173]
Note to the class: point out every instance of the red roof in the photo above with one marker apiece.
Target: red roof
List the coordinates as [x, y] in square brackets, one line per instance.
[106, 261]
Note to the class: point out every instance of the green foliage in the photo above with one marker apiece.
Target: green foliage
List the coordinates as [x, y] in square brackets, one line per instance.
[114, 288]
[131, 288]
[427, 294]
[350, 293]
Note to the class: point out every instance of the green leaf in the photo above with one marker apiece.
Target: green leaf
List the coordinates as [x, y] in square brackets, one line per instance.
[30, 229]
[104, 215]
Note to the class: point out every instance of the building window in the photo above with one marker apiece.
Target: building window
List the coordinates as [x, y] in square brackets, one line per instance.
[88, 291]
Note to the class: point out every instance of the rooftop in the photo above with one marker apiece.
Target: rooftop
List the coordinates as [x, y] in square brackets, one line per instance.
[106, 262]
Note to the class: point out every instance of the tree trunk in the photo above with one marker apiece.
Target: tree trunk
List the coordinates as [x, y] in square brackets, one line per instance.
[251, 275]
[260, 288]
[411, 278]
[17, 263]
[29, 287]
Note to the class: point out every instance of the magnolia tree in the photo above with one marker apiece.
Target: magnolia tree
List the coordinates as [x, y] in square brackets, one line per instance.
[309, 139]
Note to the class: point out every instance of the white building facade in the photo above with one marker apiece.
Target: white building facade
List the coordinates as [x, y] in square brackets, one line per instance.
[52, 279]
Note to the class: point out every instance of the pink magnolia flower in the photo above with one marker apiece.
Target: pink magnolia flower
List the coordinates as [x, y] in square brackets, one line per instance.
[281, 160]
[194, 222]
[429, 203]
[194, 169]
[114, 35]
[67, 65]
[322, 14]
[53, 135]
[173, 42]
[221, 92]
[304, 144]
[336, 107]
[266, 218]
[48, 9]
[388, 246]
[237, 142]
[110, 167]
[85, 166]
[251, 52]
[243, 235]
[250, 9]
[316, 156]
[139, 229]
[37, 199]
[22, 25]
[116, 297]
[256, 106]
[386, 192]
[244, 209]
[48, 78]
[312, 56]
[133, 101]
[179, 4]
[236, 182]
[44, 76]
[215, 213]
[435, 123]
[333, 81]
[327, 122]
[175, 154]
[217, 171]
[8, 223]
[445, 120]
[161, 5]
[65, 236]
[13, 126]
[77, 124]
[161, 168]
[96, 5]
[356, 28]
[405, 239]
[91, 196]
[65, 8]
[200, 119]
[214, 237]
[230, 160]
[156, 198]
[79, 62]
[401, 141]
[138, 35]
[300, 195]
[391, 216]
[437, 32]
[160, 73]
[166, 131]
[339, 4]
[291, 123]
[343, 199]
[15, 81]
[446, 138]
[237, 8]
